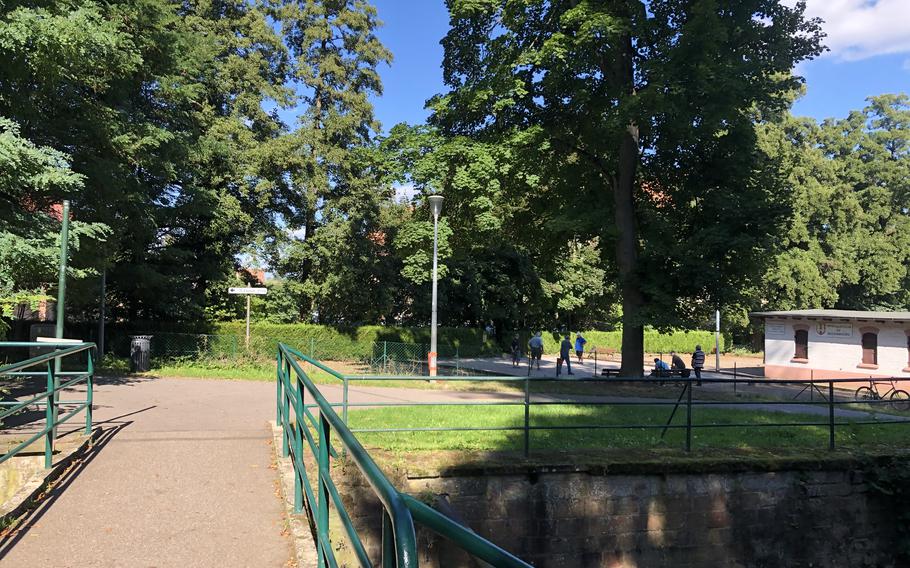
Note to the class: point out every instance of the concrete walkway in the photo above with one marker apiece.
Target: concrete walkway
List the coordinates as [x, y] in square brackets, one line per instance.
[182, 477]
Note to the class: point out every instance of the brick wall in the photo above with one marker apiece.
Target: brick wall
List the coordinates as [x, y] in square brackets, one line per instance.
[566, 519]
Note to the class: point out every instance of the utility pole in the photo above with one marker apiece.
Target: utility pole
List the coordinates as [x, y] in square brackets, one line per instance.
[436, 207]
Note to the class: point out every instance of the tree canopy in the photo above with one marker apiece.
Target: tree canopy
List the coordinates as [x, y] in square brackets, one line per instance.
[604, 163]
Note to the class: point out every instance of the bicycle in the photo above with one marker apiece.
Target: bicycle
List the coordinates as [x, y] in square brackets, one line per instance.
[899, 399]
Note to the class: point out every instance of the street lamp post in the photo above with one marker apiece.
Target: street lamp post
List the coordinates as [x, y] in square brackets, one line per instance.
[436, 208]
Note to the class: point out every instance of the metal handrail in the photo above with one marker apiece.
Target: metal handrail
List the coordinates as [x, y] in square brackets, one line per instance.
[399, 537]
[48, 398]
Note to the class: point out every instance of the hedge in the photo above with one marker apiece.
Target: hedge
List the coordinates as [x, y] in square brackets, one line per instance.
[655, 342]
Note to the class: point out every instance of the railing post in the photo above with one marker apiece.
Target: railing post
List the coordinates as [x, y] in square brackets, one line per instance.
[831, 415]
[811, 385]
[50, 416]
[300, 424]
[278, 371]
[734, 377]
[389, 557]
[286, 410]
[689, 417]
[595, 362]
[527, 417]
[344, 400]
[89, 394]
[385, 356]
[322, 512]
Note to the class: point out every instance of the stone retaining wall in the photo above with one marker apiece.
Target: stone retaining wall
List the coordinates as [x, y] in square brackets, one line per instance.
[566, 519]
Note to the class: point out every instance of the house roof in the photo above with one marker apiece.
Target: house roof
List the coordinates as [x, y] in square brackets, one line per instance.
[836, 314]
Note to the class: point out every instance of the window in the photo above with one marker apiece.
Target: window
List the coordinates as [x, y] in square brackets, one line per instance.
[802, 344]
[870, 349]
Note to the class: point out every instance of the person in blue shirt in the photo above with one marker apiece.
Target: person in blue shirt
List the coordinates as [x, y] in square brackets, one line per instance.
[660, 365]
[580, 347]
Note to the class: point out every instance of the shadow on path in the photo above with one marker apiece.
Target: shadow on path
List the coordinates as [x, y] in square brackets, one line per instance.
[10, 538]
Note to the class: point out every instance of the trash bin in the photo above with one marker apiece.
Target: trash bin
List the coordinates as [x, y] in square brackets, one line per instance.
[140, 352]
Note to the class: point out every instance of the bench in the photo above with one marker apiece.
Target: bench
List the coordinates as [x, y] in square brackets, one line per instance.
[667, 373]
[609, 372]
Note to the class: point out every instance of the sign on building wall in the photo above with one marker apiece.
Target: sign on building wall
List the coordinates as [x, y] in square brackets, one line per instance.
[834, 329]
[775, 330]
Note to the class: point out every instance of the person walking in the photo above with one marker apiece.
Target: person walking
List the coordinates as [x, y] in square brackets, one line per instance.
[580, 347]
[536, 345]
[565, 354]
[516, 351]
[698, 363]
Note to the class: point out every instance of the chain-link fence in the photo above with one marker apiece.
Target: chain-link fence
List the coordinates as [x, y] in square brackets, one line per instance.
[379, 357]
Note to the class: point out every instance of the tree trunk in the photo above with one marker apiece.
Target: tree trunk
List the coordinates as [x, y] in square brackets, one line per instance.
[633, 335]
[627, 257]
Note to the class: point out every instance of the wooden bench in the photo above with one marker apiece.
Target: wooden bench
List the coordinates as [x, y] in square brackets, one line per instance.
[609, 372]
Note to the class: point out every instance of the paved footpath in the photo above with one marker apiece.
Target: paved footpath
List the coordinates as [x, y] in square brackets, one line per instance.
[182, 478]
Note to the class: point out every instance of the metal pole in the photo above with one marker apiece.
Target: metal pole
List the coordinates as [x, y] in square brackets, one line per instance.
[734, 376]
[101, 307]
[248, 321]
[830, 415]
[433, 317]
[527, 417]
[61, 296]
[717, 340]
[689, 418]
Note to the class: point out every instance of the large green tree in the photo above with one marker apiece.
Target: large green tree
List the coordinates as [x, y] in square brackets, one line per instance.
[652, 105]
[161, 106]
[847, 244]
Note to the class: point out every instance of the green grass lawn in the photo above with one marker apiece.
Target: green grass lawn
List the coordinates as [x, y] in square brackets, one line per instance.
[738, 437]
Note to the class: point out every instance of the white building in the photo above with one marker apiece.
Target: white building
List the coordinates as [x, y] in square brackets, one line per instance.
[834, 344]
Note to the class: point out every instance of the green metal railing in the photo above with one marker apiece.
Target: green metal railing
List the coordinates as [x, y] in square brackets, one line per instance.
[399, 540]
[49, 398]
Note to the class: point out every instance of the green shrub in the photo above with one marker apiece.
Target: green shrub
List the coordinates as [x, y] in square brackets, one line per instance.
[655, 342]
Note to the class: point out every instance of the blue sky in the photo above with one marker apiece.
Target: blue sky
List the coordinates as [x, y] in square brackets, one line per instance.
[869, 42]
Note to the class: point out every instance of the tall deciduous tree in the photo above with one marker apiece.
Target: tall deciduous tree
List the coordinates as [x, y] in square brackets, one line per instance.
[654, 101]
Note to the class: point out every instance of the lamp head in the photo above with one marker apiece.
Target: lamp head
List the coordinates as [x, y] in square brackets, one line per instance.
[435, 204]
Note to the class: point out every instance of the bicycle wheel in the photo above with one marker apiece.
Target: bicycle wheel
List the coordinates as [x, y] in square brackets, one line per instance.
[900, 400]
[864, 394]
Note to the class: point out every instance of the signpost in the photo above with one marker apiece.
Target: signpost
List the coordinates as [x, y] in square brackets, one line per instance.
[248, 292]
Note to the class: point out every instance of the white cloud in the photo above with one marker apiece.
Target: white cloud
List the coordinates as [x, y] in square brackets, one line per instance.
[858, 29]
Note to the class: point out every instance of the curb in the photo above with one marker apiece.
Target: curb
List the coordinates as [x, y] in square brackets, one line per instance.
[298, 523]
[29, 496]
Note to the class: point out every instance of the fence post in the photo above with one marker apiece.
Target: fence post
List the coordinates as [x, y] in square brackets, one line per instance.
[527, 417]
[689, 418]
[50, 415]
[734, 377]
[385, 357]
[89, 395]
[322, 512]
[595, 361]
[831, 415]
[811, 385]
